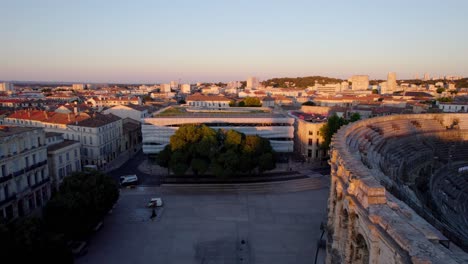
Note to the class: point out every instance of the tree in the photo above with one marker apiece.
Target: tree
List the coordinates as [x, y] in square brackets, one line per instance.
[199, 166]
[266, 162]
[182, 101]
[233, 139]
[375, 91]
[440, 90]
[179, 162]
[355, 117]
[252, 102]
[164, 157]
[147, 98]
[330, 128]
[241, 104]
[232, 103]
[225, 153]
[26, 240]
[81, 202]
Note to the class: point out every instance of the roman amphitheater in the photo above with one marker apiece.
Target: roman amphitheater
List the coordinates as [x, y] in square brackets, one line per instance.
[399, 190]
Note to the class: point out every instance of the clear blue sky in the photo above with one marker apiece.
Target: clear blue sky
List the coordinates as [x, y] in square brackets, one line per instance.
[163, 40]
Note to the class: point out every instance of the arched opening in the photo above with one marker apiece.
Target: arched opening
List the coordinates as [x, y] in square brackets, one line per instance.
[360, 250]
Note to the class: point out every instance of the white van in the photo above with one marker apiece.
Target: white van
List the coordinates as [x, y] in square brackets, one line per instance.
[128, 180]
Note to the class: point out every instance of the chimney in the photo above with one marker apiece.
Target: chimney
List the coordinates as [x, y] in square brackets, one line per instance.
[75, 110]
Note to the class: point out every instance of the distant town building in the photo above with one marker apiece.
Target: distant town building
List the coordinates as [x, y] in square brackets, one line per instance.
[24, 175]
[78, 86]
[6, 87]
[165, 88]
[186, 88]
[330, 88]
[135, 112]
[174, 85]
[391, 82]
[454, 107]
[359, 82]
[427, 77]
[252, 83]
[208, 101]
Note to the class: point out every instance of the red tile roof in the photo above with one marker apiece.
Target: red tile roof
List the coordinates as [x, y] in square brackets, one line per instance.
[49, 117]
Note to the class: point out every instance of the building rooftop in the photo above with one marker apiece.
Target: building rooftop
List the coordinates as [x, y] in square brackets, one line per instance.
[98, 120]
[199, 97]
[52, 134]
[231, 112]
[309, 117]
[49, 117]
[63, 144]
[6, 131]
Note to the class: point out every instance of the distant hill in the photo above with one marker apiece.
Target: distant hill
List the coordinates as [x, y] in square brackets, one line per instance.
[299, 82]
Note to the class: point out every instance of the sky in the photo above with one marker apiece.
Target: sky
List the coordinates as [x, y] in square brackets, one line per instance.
[157, 41]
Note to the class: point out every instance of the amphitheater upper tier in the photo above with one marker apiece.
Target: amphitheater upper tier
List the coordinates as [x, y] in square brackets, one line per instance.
[399, 190]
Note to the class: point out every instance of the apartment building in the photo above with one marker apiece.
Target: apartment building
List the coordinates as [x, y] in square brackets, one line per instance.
[307, 137]
[63, 157]
[24, 174]
[100, 135]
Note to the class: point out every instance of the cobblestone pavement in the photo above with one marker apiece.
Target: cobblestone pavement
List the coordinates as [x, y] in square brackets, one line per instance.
[215, 228]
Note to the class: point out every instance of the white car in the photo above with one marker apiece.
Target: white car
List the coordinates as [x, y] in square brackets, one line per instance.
[155, 202]
[128, 180]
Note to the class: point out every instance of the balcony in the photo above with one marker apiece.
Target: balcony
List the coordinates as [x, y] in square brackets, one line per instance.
[6, 178]
[7, 200]
[37, 184]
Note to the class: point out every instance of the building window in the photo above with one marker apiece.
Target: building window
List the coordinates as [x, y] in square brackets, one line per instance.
[309, 153]
[318, 132]
[60, 159]
[310, 142]
[90, 140]
[67, 156]
[311, 133]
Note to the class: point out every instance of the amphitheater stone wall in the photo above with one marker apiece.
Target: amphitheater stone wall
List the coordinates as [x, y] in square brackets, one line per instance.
[366, 223]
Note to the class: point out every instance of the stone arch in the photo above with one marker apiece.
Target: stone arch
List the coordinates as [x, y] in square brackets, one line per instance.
[360, 250]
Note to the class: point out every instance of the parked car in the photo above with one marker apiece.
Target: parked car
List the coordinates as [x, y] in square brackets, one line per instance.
[155, 202]
[128, 180]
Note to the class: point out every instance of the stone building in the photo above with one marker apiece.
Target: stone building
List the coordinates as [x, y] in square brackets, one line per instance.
[24, 175]
[398, 193]
[359, 82]
[100, 135]
[63, 157]
[307, 137]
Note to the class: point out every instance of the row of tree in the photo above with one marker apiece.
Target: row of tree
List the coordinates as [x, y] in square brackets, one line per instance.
[223, 153]
[81, 202]
[247, 102]
[299, 82]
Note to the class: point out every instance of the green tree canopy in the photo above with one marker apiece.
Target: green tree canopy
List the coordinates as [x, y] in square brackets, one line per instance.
[81, 202]
[224, 153]
[252, 102]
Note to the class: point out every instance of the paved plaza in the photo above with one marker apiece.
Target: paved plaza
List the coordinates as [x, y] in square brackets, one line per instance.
[216, 228]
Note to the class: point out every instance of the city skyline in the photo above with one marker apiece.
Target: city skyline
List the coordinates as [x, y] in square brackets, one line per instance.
[156, 42]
